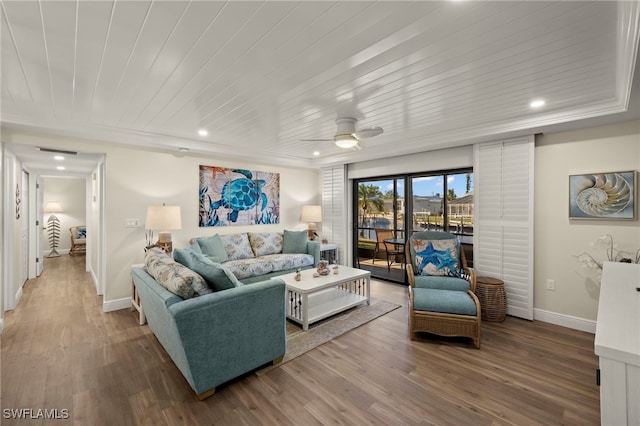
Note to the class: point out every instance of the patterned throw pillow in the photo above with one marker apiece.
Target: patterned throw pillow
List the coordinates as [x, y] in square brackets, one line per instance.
[237, 246]
[82, 233]
[173, 276]
[436, 257]
[264, 243]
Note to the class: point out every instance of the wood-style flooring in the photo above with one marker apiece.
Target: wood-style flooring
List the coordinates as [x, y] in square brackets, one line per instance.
[61, 352]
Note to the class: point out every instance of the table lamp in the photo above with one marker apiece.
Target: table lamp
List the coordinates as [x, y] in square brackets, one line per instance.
[311, 215]
[53, 226]
[162, 219]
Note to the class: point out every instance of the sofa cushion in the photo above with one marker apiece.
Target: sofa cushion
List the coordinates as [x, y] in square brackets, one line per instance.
[264, 243]
[445, 301]
[440, 282]
[244, 268]
[216, 275]
[294, 241]
[182, 255]
[284, 262]
[237, 246]
[174, 276]
[436, 257]
[213, 248]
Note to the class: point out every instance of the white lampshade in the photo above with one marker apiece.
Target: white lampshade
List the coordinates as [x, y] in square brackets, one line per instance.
[346, 141]
[311, 214]
[163, 218]
[53, 207]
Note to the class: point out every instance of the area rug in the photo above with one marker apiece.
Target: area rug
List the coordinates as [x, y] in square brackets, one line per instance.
[299, 342]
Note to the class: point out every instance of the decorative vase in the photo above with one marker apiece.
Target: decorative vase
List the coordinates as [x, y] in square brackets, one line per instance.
[323, 268]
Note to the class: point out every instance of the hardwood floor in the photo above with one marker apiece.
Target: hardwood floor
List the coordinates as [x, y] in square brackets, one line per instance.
[60, 351]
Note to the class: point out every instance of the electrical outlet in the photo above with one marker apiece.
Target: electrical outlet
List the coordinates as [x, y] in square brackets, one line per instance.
[551, 285]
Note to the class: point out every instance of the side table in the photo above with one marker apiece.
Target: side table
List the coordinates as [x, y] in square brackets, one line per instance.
[329, 252]
[492, 297]
[135, 301]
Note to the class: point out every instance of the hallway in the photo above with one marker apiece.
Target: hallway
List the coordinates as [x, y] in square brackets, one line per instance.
[61, 352]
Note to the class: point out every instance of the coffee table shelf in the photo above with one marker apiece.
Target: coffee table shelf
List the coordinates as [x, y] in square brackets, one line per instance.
[312, 299]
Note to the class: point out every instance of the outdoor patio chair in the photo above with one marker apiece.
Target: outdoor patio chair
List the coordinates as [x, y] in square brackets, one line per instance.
[391, 250]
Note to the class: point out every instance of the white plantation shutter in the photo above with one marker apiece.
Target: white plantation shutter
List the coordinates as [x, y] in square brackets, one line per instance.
[334, 208]
[503, 234]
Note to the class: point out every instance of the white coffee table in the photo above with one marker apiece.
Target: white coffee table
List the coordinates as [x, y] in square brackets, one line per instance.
[312, 299]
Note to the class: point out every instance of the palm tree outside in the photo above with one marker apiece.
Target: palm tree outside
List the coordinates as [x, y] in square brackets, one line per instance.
[369, 196]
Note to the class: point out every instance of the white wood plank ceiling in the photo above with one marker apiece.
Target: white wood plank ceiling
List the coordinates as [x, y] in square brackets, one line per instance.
[261, 77]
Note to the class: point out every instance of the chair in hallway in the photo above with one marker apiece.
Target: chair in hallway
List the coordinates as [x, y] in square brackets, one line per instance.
[78, 235]
[441, 292]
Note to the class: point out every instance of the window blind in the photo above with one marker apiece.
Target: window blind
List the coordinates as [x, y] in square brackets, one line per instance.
[334, 208]
[503, 234]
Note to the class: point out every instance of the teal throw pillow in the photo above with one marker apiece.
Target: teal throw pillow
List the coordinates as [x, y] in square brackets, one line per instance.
[213, 248]
[295, 242]
[182, 255]
[216, 275]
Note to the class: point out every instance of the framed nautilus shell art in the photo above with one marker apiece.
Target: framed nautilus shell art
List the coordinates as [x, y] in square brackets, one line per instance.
[603, 196]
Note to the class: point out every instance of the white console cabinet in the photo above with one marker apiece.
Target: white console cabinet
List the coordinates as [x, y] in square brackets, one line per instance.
[617, 343]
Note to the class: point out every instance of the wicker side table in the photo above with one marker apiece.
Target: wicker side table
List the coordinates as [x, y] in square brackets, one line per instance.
[492, 297]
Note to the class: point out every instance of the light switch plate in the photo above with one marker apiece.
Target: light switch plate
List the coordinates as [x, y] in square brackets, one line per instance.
[131, 223]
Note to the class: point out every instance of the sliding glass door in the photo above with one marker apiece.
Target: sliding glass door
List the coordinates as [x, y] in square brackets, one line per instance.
[390, 208]
[381, 213]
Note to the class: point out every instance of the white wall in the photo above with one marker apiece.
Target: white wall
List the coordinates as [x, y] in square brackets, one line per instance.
[136, 178]
[12, 228]
[96, 245]
[70, 192]
[2, 283]
[442, 159]
[558, 239]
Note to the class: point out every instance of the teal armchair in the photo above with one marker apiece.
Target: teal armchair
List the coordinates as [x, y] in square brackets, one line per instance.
[441, 292]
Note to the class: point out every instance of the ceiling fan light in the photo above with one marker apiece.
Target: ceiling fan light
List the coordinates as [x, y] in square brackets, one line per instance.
[346, 141]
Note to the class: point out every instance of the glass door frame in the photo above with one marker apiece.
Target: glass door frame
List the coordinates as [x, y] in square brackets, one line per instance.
[407, 226]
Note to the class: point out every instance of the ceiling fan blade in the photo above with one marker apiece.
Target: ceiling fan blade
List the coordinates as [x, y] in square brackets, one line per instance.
[316, 140]
[368, 132]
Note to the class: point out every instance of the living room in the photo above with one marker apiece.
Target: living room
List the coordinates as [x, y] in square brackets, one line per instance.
[129, 178]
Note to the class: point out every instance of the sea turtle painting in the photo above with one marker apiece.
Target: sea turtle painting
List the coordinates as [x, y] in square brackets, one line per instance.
[241, 194]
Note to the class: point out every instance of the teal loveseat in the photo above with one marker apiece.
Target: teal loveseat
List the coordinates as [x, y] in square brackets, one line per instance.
[216, 337]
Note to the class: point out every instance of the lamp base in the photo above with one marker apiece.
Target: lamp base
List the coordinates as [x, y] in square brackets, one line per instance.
[53, 253]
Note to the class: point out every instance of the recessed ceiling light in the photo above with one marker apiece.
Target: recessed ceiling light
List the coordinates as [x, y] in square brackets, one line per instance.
[316, 153]
[60, 167]
[183, 149]
[58, 157]
[203, 132]
[537, 103]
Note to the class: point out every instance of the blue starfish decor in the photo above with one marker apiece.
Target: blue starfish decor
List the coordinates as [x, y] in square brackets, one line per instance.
[444, 261]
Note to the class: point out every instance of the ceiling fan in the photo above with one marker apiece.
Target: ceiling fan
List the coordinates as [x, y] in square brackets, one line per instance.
[346, 135]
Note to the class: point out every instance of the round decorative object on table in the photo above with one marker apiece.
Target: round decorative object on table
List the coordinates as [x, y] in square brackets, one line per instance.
[492, 297]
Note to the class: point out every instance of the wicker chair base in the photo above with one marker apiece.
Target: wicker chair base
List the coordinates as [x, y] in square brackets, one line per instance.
[445, 324]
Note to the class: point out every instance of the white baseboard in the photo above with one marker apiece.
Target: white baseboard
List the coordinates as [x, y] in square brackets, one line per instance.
[95, 281]
[1, 325]
[565, 320]
[17, 298]
[116, 305]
